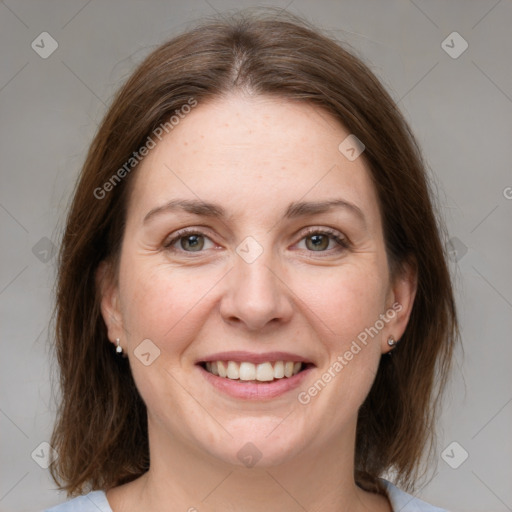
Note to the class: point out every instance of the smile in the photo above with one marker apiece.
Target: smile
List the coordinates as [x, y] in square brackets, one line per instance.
[251, 372]
[254, 376]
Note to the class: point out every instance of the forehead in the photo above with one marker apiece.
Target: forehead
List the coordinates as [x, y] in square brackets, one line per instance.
[250, 153]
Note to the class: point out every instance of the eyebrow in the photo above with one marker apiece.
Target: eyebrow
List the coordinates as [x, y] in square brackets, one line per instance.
[294, 210]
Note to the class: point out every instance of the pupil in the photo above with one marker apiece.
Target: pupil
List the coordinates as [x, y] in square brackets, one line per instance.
[319, 242]
[193, 242]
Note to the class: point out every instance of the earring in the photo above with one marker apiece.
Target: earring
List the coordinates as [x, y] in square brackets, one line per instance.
[392, 342]
[119, 349]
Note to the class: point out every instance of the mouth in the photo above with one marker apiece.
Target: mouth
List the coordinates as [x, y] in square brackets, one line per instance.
[249, 376]
[249, 372]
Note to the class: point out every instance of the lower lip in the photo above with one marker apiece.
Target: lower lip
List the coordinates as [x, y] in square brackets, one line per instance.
[252, 390]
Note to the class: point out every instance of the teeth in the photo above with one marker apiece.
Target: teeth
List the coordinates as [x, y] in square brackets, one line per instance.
[221, 368]
[233, 370]
[279, 370]
[245, 371]
[265, 372]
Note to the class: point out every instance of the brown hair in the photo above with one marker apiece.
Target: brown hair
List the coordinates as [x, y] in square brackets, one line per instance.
[101, 429]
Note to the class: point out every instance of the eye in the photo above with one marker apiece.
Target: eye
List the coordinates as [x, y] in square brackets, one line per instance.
[324, 240]
[315, 240]
[188, 241]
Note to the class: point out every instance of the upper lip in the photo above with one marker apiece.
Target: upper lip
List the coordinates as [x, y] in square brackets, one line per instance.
[251, 357]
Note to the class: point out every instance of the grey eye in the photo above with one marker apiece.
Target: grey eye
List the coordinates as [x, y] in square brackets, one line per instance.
[317, 242]
[192, 242]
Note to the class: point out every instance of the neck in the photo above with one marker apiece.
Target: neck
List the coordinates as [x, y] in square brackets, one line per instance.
[184, 478]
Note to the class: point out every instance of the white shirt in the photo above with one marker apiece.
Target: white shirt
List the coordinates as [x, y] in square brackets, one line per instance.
[96, 501]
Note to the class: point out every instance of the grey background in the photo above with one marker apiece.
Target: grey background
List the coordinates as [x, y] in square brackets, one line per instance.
[459, 108]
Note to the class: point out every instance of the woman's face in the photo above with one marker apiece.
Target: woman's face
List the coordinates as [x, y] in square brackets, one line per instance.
[282, 268]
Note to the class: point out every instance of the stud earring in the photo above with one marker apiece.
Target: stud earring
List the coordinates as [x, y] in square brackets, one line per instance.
[392, 343]
[119, 349]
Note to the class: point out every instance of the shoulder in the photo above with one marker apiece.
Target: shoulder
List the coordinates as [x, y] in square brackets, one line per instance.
[95, 501]
[403, 502]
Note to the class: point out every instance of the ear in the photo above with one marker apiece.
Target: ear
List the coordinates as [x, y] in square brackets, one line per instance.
[400, 299]
[110, 308]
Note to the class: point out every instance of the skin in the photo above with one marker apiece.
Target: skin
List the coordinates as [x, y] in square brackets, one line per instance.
[252, 155]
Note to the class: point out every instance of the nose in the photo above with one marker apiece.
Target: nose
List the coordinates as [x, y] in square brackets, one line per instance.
[257, 296]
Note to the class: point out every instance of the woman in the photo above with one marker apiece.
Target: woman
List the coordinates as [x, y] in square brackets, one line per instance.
[254, 309]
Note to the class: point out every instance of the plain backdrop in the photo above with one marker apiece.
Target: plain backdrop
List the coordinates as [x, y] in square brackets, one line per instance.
[458, 101]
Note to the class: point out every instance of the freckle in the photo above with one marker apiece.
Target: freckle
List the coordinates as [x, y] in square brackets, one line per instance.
[185, 143]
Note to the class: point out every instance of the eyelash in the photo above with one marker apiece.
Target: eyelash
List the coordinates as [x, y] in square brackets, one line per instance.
[331, 233]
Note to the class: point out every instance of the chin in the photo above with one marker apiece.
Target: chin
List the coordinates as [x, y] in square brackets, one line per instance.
[259, 445]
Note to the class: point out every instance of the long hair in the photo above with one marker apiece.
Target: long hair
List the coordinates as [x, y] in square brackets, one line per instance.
[101, 428]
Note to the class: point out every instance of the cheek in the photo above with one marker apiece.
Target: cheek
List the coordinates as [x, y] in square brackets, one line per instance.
[346, 300]
[159, 301]
[346, 303]
[167, 306]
